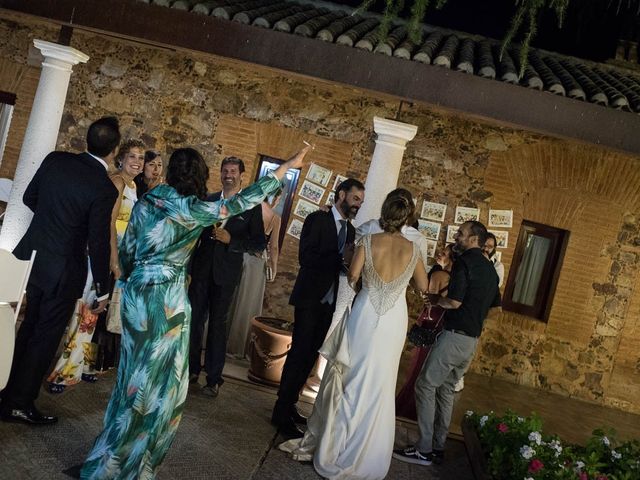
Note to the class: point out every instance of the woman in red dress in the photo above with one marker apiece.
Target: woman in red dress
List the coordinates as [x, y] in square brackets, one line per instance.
[438, 283]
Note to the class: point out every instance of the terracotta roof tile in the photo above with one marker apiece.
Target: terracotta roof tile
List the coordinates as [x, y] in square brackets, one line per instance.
[596, 83]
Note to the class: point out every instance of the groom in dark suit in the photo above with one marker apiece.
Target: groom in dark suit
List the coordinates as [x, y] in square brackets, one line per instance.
[326, 246]
[215, 273]
[72, 198]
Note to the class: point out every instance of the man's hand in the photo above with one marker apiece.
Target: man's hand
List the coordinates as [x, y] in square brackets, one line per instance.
[100, 306]
[221, 235]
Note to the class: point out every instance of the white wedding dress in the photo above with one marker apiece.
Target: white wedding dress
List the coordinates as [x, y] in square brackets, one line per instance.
[351, 431]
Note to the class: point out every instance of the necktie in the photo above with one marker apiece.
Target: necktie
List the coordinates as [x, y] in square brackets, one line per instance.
[342, 236]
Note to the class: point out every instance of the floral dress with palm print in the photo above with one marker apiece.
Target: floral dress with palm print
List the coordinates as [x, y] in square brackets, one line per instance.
[153, 375]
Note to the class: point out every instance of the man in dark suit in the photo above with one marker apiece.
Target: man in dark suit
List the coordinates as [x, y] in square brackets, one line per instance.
[326, 246]
[215, 273]
[72, 198]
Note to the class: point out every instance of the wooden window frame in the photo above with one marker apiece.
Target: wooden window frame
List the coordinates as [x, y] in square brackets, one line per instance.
[550, 274]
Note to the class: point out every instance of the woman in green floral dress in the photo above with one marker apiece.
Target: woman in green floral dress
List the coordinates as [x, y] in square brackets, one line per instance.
[153, 376]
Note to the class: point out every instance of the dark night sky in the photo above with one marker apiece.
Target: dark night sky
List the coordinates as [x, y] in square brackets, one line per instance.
[590, 29]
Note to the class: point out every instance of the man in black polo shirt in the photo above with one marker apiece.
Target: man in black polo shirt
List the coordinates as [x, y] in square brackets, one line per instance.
[473, 289]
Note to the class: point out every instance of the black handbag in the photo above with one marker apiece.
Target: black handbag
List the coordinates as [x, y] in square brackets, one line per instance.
[426, 330]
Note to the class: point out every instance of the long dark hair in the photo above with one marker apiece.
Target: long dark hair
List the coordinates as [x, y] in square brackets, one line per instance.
[188, 173]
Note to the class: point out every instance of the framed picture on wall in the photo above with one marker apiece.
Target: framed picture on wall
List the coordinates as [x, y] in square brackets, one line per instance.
[339, 179]
[501, 218]
[466, 214]
[502, 238]
[319, 175]
[429, 229]
[498, 256]
[304, 208]
[451, 233]
[433, 211]
[295, 228]
[311, 192]
[431, 248]
[331, 198]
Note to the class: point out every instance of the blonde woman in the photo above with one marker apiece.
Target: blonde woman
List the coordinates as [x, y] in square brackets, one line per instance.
[129, 163]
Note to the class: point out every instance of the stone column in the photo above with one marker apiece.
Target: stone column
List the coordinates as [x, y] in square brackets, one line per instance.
[41, 134]
[385, 164]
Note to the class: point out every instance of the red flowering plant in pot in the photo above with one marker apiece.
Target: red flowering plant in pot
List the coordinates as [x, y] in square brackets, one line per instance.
[515, 448]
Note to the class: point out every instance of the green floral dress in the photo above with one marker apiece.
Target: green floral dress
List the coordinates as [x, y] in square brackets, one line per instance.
[153, 376]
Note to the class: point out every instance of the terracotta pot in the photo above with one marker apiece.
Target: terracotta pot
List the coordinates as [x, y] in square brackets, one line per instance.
[269, 345]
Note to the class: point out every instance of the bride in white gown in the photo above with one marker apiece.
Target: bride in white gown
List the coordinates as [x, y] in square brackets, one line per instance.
[351, 431]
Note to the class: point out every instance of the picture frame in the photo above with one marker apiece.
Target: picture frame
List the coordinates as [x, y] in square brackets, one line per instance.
[295, 228]
[466, 214]
[339, 179]
[451, 233]
[501, 218]
[432, 245]
[433, 211]
[502, 238]
[318, 174]
[311, 192]
[331, 198]
[429, 229]
[304, 208]
[497, 255]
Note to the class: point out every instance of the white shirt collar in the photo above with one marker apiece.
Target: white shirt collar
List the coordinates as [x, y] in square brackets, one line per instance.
[104, 164]
[337, 217]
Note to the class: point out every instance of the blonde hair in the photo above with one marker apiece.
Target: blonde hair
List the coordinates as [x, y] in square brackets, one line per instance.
[126, 147]
[396, 210]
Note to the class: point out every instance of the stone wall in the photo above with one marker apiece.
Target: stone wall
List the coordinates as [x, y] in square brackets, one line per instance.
[590, 347]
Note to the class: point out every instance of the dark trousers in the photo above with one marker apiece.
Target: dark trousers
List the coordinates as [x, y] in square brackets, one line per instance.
[309, 331]
[209, 302]
[37, 341]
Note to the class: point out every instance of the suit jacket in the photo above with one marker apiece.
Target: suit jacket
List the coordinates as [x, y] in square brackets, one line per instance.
[225, 261]
[320, 260]
[72, 198]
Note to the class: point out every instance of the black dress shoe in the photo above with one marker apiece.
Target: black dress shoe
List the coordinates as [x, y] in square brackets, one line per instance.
[297, 418]
[289, 430]
[30, 416]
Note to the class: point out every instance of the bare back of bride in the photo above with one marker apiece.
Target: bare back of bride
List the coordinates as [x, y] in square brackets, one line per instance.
[351, 430]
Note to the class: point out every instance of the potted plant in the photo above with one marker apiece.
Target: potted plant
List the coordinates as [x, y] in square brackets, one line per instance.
[270, 340]
[513, 447]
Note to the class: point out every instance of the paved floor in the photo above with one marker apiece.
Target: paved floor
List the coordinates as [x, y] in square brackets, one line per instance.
[226, 438]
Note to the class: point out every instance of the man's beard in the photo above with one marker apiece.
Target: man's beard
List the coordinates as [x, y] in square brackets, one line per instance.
[348, 210]
[457, 248]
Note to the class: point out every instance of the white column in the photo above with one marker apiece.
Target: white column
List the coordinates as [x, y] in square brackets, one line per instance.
[385, 164]
[41, 134]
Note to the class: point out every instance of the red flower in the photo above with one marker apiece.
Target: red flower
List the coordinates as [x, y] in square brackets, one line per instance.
[535, 465]
[503, 428]
[583, 476]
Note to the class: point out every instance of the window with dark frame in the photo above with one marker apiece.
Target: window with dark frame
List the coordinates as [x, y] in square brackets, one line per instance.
[535, 269]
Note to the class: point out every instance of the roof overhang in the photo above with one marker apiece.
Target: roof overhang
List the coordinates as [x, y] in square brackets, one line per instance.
[411, 81]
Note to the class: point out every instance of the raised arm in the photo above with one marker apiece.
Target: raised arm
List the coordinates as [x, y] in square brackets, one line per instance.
[208, 213]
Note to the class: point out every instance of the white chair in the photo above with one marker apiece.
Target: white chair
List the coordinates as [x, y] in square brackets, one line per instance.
[15, 274]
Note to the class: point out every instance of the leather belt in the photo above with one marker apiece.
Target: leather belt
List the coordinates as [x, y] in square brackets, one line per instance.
[460, 332]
